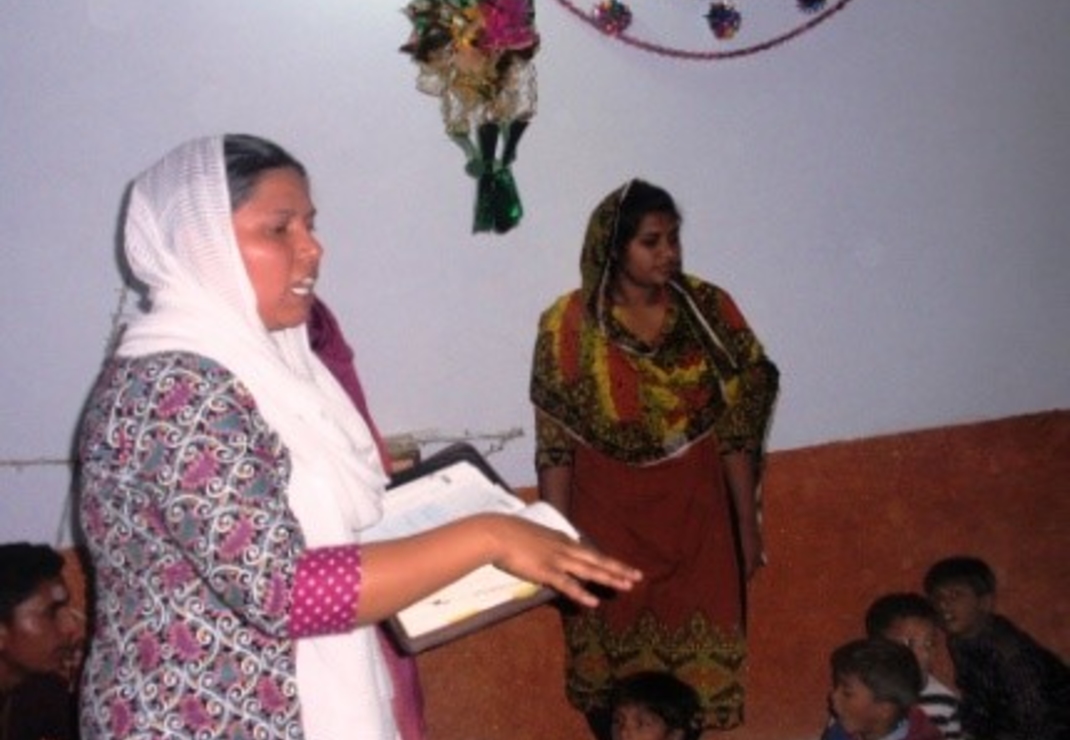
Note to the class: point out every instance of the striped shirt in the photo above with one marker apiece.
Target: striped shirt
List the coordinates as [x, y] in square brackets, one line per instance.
[941, 704]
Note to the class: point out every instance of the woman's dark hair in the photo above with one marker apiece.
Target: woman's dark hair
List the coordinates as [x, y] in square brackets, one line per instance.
[247, 157]
[961, 569]
[23, 567]
[887, 668]
[638, 199]
[890, 608]
[663, 694]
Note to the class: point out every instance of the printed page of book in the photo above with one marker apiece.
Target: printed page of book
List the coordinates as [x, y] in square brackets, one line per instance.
[459, 483]
[482, 589]
[453, 492]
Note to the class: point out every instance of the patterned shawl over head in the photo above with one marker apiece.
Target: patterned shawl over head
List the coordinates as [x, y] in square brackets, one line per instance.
[642, 403]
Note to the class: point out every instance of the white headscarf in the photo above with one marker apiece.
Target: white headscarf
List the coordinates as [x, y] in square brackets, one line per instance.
[180, 242]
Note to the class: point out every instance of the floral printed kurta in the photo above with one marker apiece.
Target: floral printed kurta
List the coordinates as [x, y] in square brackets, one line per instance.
[202, 579]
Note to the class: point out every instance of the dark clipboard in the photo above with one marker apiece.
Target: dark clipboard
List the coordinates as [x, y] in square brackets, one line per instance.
[414, 644]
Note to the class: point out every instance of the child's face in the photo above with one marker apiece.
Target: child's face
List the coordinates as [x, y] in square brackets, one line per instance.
[920, 635]
[858, 711]
[962, 611]
[41, 635]
[636, 722]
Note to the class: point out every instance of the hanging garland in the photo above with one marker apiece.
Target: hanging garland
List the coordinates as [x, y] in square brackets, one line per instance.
[612, 18]
[476, 57]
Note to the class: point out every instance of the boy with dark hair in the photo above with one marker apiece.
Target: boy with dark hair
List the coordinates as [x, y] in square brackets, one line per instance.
[1012, 687]
[875, 687]
[37, 644]
[654, 705]
[909, 619]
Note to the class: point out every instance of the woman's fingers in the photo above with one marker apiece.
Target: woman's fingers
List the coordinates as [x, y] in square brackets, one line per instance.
[573, 589]
[580, 564]
[592, 565]
[545, 556]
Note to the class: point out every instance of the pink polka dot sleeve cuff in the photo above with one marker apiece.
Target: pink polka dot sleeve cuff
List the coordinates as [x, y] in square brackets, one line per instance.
[326, 590]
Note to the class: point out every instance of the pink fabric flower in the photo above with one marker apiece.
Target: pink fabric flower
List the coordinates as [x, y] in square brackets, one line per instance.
[194, 714]
[121, 718]
[507, 25]
[238, 539]
[175, 399]
[199, 472]
[278, 593]
[185, 644]
[270, 696]
[177, 574]
[148, 653]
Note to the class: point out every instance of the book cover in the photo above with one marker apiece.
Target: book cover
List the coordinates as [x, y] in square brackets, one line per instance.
[451, 484]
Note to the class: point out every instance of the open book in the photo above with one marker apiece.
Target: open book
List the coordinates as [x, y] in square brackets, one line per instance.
[455, 483]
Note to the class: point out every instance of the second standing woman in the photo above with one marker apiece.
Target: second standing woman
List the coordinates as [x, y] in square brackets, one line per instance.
[652, 399]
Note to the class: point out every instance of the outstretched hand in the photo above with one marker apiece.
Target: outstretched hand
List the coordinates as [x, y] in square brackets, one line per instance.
[397, 573]
[550, 558]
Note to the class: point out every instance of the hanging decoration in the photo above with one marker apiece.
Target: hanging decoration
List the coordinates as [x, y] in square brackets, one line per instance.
[724, 20]
[476, 57]
[614, 18]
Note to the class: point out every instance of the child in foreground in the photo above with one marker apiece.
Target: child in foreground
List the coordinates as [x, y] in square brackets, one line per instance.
[875, 688]
[909, 619]
[655, 705]
[1012, 687]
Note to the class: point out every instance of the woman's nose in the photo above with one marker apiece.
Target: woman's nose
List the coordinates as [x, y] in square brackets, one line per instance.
[70, 622]
[312, 247]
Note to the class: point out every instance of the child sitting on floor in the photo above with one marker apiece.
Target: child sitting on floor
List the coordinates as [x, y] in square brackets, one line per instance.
[909, 619]
[875, 687]
[1012, 687]
[38, 645]
[654, 705]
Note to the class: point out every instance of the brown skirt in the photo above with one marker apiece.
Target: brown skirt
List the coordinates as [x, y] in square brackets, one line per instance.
[674, 521]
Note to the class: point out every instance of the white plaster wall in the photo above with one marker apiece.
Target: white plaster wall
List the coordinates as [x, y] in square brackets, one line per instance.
[885, 197]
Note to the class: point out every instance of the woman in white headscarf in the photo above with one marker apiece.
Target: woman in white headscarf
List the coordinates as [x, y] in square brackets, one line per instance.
[226, 478]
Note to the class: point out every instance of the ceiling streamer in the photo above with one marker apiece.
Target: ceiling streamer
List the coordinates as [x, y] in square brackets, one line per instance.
[615, 19]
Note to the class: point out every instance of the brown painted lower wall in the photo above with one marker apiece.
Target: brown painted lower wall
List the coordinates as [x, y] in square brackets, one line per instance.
[845, 523]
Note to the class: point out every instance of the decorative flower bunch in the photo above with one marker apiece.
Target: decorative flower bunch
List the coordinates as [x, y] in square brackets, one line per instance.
[476, 56]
